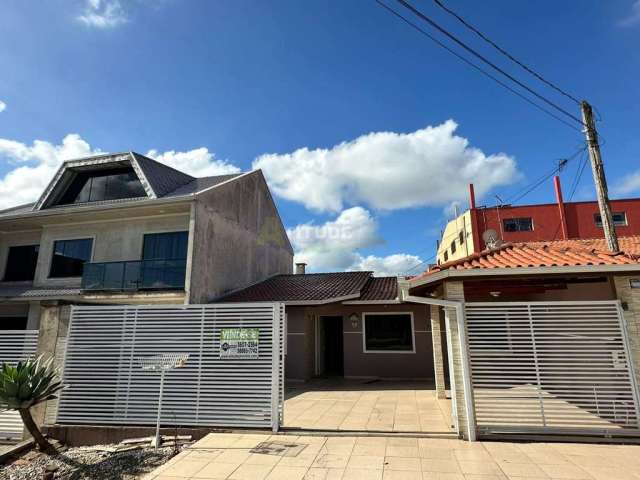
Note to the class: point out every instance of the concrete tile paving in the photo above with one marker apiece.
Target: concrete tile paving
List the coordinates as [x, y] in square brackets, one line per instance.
[227, 456]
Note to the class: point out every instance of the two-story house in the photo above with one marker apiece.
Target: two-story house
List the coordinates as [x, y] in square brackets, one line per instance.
[123, 228]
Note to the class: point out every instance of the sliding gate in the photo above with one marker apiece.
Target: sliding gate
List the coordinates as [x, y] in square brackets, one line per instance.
[15, 346]
[551, 367]
[233, 376]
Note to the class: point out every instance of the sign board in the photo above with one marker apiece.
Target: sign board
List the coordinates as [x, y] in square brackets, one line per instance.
[239, 342]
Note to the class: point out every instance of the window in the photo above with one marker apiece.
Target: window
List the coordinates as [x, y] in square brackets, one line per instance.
[453, 247]
[96, 186]
[461, 237]
[619, 219]
[446, 256]
[165, 246]
[518, 224]
[388, 332]
[13, 323]
[69, 257]
[21, 263]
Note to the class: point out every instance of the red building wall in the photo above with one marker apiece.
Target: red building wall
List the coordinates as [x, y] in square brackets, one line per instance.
[579, 217]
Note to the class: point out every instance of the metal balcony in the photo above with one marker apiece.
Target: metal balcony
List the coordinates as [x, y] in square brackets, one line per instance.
[165, 274]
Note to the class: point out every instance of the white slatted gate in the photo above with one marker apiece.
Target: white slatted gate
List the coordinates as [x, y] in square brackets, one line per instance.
[551, 367]
[107, 386]
[15, 346]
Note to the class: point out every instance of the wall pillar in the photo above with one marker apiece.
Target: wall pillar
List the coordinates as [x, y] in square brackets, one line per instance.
[438, 358]
[54, 324]
[630, 298]
[455, 291]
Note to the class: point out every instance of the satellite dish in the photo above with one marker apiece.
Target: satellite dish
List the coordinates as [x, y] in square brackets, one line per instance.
[491, 238]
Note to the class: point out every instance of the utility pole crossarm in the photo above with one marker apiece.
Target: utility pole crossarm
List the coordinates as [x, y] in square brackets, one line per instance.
[599, 178]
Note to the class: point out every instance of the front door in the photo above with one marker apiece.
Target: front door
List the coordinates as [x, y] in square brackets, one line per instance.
[330, 355]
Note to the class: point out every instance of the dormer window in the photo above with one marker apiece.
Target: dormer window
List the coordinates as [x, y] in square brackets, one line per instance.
[100, 185]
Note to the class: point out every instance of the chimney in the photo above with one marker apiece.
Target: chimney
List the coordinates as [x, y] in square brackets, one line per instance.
[563, 218]
[300, 268]
[472, 197]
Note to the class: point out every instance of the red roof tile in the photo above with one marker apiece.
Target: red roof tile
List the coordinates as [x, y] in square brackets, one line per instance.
[576, 252]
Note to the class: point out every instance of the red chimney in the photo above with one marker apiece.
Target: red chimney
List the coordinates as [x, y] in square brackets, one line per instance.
[472, 197]
[563, 219]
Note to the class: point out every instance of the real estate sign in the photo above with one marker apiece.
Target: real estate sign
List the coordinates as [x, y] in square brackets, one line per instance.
[239, 342]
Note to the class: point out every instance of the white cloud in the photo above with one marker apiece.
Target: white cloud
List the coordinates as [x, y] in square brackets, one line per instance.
[3, 106]
[199, 162]
[389, 266]
[628, 184]
[634, 16]
[103, 14]
[386, 170]
[36, 164]
[39, 163]
[334, 245]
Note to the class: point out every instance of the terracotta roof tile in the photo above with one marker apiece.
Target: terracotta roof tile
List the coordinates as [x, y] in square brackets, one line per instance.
[576, 252]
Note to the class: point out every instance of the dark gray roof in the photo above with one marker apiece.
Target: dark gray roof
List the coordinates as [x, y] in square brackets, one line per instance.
[380, 288]
[311, 287]
[163, 181]
[161, 178]
[199, 184]
[31, 292]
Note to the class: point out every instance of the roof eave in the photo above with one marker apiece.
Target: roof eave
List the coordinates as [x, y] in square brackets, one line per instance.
[492, 272]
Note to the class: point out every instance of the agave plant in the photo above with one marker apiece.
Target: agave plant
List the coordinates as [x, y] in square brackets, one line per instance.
[25, 385]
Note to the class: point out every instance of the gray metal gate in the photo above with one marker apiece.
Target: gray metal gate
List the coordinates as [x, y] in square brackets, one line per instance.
[106, 384]
[551, 367]
[15, 346]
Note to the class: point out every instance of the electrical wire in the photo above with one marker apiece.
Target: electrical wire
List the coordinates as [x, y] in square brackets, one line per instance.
[475, 53]
[473, 65]
[504, 52]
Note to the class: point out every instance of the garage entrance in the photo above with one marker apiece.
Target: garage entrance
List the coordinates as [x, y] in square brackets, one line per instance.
[551, 368]
[367, 405]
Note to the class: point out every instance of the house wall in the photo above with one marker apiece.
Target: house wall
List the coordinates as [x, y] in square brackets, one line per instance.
[300, 362]
[461, 224]
[630, 298]
[112, 241]
[238, 239]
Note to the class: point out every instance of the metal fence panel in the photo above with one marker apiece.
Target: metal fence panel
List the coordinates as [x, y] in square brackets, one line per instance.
[106, 384]
[15, 346]
[555, 367]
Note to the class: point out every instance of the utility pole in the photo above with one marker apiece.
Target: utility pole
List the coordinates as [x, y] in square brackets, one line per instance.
[598, 177]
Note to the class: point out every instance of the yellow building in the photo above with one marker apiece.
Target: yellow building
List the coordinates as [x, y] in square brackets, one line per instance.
[457, 239]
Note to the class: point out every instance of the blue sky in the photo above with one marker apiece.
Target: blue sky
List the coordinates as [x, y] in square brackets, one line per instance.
[217, 86]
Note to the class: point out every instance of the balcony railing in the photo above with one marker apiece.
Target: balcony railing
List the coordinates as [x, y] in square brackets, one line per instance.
[167, 274]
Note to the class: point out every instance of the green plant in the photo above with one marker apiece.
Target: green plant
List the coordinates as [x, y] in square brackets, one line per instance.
[26, 385]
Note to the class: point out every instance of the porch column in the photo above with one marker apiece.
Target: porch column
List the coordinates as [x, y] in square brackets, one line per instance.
[438, 359]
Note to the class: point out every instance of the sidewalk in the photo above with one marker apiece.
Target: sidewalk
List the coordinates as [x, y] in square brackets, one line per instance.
[228, 456]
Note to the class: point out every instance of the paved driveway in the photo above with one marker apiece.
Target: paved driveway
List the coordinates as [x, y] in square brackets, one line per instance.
[380, 406]
[228, 456]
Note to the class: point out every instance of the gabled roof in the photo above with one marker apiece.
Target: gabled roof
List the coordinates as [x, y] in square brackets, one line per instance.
[318, 288]
[158, 180]
[563, 253]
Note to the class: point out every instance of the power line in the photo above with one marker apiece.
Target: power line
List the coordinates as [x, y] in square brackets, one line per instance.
[504, 52]
[534, 185]
[422, 16]
[473, 65]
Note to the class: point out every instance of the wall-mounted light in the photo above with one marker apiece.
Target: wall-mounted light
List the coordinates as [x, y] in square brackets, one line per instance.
[495, 294]
[354, 320]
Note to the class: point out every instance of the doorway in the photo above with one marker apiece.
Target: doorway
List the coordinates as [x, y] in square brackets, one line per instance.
[329, 346]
